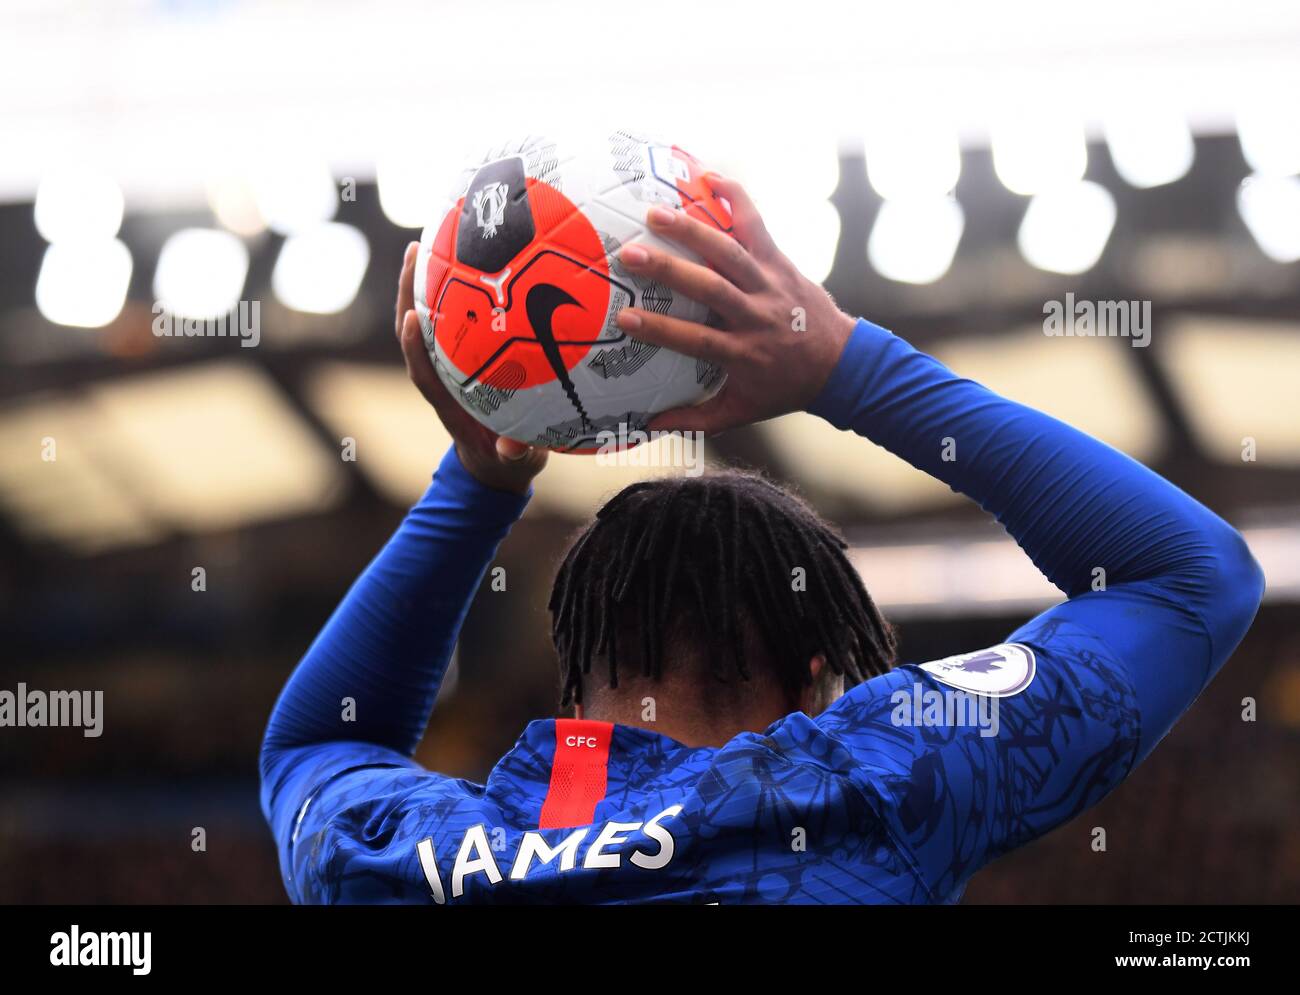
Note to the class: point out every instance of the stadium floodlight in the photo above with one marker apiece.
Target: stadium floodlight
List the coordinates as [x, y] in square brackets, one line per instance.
[1150, 148]
[1270, 206]
[83, 283]
[230, 196]
[808, 234]
[406, 194]
[1065, 230]
[914, 241]
[1036, 153]
[1269, 132]
[912, 158]
[200, 273]
[803, 222]
[294, 193]
[78, 203]
[320, 270]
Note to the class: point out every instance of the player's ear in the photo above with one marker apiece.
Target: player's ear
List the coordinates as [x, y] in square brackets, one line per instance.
[825, 687]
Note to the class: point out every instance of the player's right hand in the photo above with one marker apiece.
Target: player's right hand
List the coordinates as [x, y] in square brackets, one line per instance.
[782, 333]
[502, 464]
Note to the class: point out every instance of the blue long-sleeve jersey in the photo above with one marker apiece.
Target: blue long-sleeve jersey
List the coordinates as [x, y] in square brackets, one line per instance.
[896, 793]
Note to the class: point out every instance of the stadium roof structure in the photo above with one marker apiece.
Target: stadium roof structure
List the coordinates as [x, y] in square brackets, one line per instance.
[1224, 332]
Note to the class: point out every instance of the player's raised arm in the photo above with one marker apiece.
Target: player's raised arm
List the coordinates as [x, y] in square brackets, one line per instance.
[363, 692]
[1115, 667]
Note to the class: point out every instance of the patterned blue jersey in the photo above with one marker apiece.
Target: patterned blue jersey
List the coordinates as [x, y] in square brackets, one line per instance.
[896, 793]
[859, 804]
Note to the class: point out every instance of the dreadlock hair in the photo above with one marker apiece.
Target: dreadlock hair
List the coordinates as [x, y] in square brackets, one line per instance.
[708, 564]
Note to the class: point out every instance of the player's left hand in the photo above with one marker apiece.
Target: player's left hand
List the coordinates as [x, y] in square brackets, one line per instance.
[499, 463]
[781, 333]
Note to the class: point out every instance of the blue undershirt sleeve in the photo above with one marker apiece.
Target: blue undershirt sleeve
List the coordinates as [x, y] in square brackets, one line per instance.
[1115, 668]
[1181, 586]
[363, 693]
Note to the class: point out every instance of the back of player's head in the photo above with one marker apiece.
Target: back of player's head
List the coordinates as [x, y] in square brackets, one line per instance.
[726, 572]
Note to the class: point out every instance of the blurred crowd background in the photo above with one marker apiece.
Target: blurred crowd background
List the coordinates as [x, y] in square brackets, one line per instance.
[947, 169]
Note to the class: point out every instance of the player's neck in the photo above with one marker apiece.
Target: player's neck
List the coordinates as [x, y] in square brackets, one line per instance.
[690, 735]
[693, 729]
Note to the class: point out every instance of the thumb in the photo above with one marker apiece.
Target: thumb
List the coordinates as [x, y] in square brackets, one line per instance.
[511, 451]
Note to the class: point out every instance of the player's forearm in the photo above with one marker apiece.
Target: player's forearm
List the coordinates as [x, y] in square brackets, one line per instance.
[388, 643]
[1073, 503]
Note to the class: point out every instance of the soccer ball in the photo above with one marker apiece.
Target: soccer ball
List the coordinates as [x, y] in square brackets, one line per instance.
[518, 283]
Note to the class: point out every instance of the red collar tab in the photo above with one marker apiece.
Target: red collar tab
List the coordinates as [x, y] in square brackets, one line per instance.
[579, 773]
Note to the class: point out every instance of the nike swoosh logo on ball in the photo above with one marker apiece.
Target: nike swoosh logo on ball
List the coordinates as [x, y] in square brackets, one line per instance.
[540, 304]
